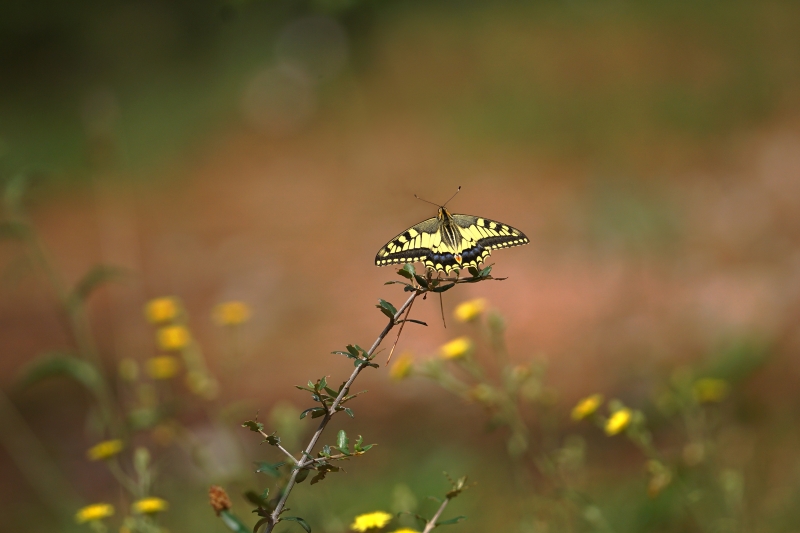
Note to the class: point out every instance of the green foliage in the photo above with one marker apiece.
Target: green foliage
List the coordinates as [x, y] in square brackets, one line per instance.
[62, 364]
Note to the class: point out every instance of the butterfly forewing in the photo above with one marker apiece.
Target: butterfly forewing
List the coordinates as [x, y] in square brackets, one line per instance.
[448, 244]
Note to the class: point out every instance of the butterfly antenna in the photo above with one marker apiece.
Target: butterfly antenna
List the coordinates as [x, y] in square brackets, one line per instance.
[426, 201]
[454, 195]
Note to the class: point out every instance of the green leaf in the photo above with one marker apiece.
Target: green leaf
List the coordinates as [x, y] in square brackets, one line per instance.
[359, 442]
[315, 412]
[253, 425]
[414, 321]
[349, 412]
[299, 520]
[407, 271]
[260, 523]
[366, 448]
[255, 498]
[486, 271]
[422, 281]
[272, 439]
[444, 287]
[342, 442]
[233, 523]
[62, 364]
[268, 468]
[95, 278]
[302, 475]
[386, 308]
[474, 271]
[352, 349]
[451, 521]
[322, 383]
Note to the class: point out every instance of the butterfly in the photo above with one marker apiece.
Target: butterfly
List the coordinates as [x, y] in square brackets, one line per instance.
[449, 242]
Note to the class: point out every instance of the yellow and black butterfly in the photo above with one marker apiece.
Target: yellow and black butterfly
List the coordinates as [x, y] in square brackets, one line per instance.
[449, 242]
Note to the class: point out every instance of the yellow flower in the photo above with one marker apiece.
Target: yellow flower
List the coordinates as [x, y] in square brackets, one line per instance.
[231, 313]
[173, 337]
[371, 520]
[96, 511]
[587, 406]
[405, 530]
[163, 367]
[402, 367]
[710, 390]
[456, 348]
[149, 505]
[160, 310]
[104, 450]
[470, 310]
[618, 422]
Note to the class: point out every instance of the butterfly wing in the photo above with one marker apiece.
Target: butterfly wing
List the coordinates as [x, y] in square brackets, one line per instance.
[467, 242]
[414, 244]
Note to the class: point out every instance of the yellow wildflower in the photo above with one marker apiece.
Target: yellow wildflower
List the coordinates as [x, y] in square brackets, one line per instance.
[160, 310]
[456, 348]
[470, 310]
[367, 521]
[618, 422]
[173, 337]
[163, 367]
[104, 450]
[231, 313]
[96, 511]
[708, 390]
[149, 505]
[402, 367]
[587, 406]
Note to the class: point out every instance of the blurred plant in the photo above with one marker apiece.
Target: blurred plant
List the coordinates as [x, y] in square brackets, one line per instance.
[143, 404]
[708, 492]
[332, 401]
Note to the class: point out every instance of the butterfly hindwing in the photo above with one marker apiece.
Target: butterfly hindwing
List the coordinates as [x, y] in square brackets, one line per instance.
[450, 243]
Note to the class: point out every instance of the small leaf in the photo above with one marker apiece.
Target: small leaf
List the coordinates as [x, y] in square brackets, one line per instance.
[486, 271]
[299, 521]
[255, 498]
[260, 523]
[326, 451]
[386, 308]
[233, 523]
[342, 442]
[319, 477]
[268, 468]
[322, 383]
[253, 425]
[352, 349]
[359, 442]
[315, 412]
[474, 271]
[273, 439]
[413, 320]
[407, 271]
[349, 412]
[62, 364]
[366, 448]
[422, 281]
[451, 521]
[302, 475]
[444, 287]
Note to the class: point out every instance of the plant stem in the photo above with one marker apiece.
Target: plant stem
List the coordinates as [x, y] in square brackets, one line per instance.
[432, 522]
[306, 458]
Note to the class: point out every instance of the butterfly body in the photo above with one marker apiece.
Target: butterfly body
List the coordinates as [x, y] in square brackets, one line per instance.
[449, 242]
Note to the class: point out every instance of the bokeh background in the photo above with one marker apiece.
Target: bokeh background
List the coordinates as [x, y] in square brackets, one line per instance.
[264, 151]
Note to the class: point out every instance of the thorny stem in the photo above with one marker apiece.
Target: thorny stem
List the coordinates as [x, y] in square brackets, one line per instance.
[306, 458]
[432, 522]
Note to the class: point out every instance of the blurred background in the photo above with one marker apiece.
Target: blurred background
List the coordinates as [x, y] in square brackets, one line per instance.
[262, 152]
